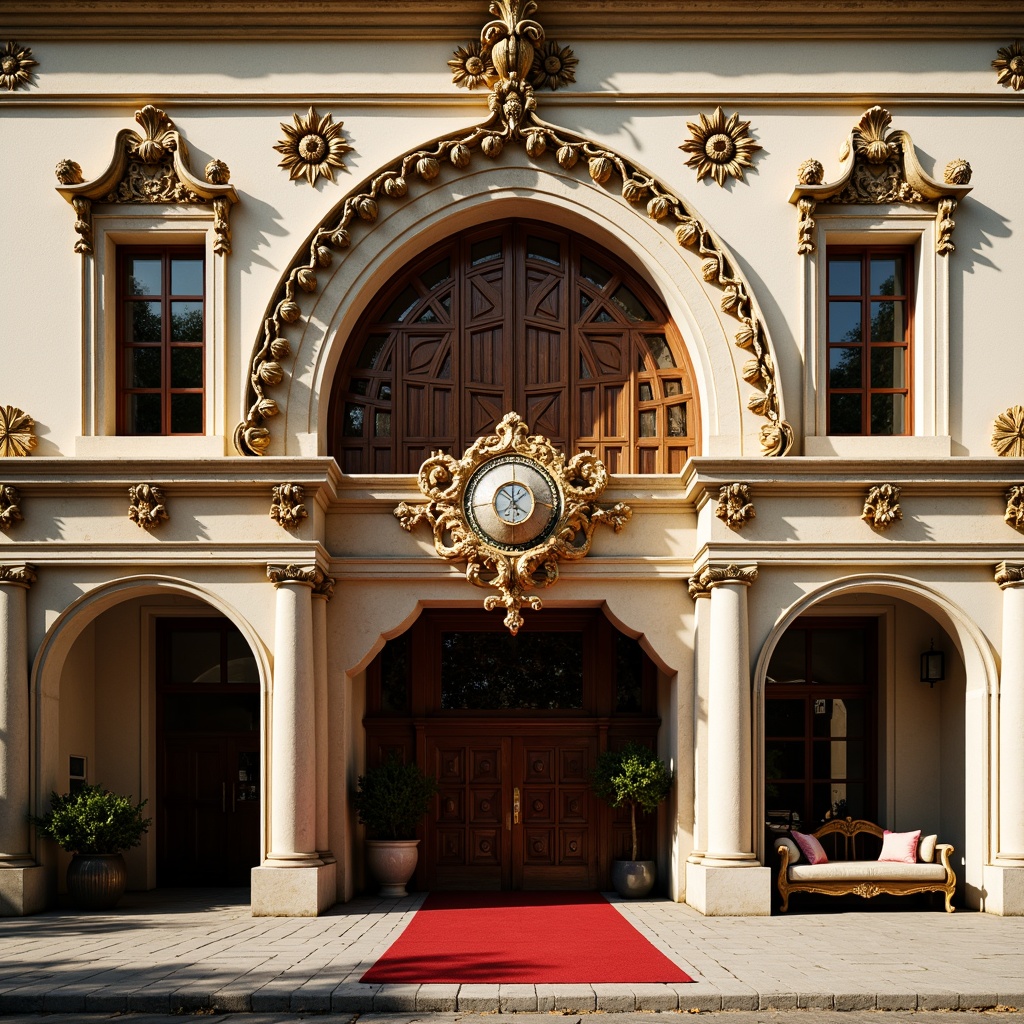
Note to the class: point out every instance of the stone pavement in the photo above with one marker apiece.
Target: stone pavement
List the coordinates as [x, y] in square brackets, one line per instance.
[200, 951]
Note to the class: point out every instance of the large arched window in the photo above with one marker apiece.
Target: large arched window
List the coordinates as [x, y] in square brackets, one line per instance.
[515, 316]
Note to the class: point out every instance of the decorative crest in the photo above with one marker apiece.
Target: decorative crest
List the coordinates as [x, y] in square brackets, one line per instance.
[879, 166]
[287, 509]
[512, 508]
[10, 506]
[148, 168]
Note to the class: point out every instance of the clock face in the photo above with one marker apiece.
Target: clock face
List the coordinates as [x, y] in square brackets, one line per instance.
[512, 503]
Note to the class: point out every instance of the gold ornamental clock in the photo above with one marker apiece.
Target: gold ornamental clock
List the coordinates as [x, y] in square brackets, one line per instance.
[512, 508]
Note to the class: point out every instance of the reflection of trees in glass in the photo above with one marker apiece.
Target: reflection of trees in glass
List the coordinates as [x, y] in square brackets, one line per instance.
[145, 321]
[187, 325]
[845, 369]
[882, 418]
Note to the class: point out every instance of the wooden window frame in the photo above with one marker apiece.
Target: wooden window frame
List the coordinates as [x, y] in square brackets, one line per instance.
[123, 301]
[867, 346]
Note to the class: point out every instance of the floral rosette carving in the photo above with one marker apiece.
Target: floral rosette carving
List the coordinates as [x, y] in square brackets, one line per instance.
[443, 480]
[511, 43]
[1009, 66]
[286, 508]
[146, 506]
[17, 432]
[734, 506]
[15, 66]
[1008, 432]
[882, 506]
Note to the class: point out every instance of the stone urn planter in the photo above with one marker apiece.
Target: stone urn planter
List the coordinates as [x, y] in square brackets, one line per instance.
[392, 862]
[96, 881]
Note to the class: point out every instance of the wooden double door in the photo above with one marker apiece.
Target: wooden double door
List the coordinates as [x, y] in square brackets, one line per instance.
[514, 809]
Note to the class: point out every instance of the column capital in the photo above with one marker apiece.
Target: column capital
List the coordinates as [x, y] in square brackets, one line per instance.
[1009, 574]
[308, 575]
[325, 588]
[696, 588]
[712, 576]
[23, 575]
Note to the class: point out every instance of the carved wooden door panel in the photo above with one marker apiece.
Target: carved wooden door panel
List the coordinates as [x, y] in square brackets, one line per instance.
[468, 842]
[554, 843]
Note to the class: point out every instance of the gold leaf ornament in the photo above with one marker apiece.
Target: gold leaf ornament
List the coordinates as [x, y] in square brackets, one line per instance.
[1008, 432]
[17, 437]
[312, 146]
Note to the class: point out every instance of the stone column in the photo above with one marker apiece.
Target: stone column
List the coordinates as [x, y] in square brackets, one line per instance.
[714, 885]
[322, 593]
[293, 791]
[21, 881]
[700, 595]
[1011, 717]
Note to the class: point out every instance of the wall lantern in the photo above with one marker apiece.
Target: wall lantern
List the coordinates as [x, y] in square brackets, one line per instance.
[933, 665]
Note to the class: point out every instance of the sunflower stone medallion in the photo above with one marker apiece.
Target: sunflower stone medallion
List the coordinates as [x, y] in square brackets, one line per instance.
[1009, 66]
[720, 146]
[312, 146]
[15, 62]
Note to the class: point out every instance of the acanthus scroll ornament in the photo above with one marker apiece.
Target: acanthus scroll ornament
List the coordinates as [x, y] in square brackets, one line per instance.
[1014, 514]
[146, 506]
[734, 506]
[512, 508]
[286, 508]
[17, 436]
[879, 166]
[1008, 432]
[292, 573]
[21, 575]
[10, 506]
[882, 506]
[503, 61]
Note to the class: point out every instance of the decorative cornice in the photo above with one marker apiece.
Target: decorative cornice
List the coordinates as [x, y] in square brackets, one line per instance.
[308, 574]
[286, 508]
[146, 506]
[734, 506]
[509, 44]
[150, 168]
[1014, 514]
[712, 576]
[23, 575]
[882, 506]
[10, 506]
[17, 437]
[879, 166]
[1008, 432]
[1009, 574]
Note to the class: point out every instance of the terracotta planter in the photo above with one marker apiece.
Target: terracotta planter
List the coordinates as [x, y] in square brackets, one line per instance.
[392, 862]
[96, 881]
[633, 878]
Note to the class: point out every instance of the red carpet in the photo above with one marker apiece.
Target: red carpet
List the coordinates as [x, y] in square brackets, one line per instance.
[521, 938]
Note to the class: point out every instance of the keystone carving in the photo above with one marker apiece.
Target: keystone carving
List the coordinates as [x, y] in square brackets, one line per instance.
[149, 168]
[503, 61]
[295, 574]
[10, 506]
[879, 166]
[734, 505]
[17, 437]
[1015, 507]
[882, 506]
[1008, 432]
[287, 509]
[146, 506]
[23, 575]
[712, 576]
[1009, 575]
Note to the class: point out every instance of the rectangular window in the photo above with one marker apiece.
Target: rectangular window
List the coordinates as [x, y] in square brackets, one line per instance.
[76, 773]
[161, 340]
[869, 330]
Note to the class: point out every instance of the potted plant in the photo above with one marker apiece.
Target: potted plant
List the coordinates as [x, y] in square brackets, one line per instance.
[95, 825]
[636, 776]
[390, 801]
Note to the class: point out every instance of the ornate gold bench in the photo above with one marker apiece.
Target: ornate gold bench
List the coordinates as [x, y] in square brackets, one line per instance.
[852, 869]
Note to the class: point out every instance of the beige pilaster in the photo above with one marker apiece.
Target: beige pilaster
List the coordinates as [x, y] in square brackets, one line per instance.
[700, 595]
[322, 593]
[22, 889]
[1010, 578]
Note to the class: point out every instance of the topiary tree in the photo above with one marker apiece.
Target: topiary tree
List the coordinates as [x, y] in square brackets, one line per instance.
[392, 798]
[634, 775]
[93, 820]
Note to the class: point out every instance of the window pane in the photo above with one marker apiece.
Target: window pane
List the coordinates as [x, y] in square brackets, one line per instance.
[660, 351]
[785, 803]
[194, 656]
[144, 276]
[844, 322]
[646, 391]
[144, 414]
[485, 251]
[844, 277]
[382, 424]
[887, 275]
[142, 367]
[784, 759]
[241, 662]
[384, 391]
[186, 277]
[844, 368]
[629, 674]
[400, 308]
[830, 718]
[359, 386]
[186, 367]
[594, 272]
[887, 321]
[829, 759]
[144, 321]
[789, 659]
[186, 321]
[437, 274]
[673, 387]
[838, 656]
[543, 249]
[353, 420]
[784, 718]
[211, 712]
[649, 423]
[394, 674]
[844, 414]
[186, 414]
[631, 305]
[888, 414]
[887, 367]
[372, 350]
[677, 421]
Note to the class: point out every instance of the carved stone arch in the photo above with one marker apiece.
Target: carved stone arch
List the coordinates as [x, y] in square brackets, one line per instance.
[320, 299]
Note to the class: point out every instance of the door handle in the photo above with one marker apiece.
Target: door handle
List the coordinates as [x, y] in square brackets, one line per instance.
[515, 805]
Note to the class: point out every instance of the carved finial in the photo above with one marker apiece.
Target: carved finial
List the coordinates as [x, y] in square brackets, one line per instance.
[16, 432]
[882, 506]
[958, 172]
[10, 506]
[810, 172]
[1008, 432]
[217, 172]
[287, 509]
[734, 505]
[68, 172]
[146, 506]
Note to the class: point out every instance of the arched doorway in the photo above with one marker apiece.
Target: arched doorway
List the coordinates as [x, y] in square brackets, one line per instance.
[515, 315]
[511, 727]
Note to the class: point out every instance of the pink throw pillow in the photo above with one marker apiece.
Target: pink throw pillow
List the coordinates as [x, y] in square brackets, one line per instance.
[900, 847]
[810, 848]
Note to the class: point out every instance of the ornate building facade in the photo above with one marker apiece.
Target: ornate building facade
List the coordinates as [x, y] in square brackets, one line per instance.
[292, 464]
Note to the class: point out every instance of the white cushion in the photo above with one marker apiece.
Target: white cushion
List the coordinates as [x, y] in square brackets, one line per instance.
[926, 849]
[794, 850]
[868, 871]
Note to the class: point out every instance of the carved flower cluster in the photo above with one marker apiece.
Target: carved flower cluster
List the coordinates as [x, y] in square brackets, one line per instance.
[1008, 432]
[312, 146]
[15, 62]
[553, 66]
[720, 146]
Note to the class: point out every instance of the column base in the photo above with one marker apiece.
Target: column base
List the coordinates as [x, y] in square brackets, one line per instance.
[729, 892]
[1004, 890]
[22, 891]
[293, 892]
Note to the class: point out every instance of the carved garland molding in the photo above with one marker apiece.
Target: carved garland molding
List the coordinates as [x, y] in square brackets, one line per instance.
[879, 166]
[149, 168]
[510, 45]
